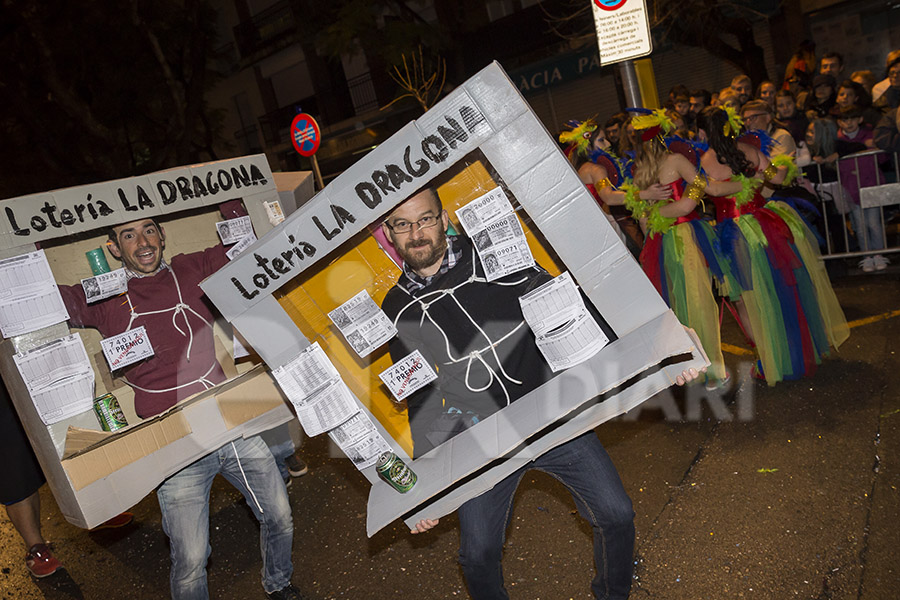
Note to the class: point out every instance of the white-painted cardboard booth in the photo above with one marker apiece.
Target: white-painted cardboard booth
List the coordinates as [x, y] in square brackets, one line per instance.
[486, 117]
[94, 475]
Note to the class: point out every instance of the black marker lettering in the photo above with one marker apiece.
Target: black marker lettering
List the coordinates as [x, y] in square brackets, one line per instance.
[368, 193]
[184, 186]
[397, 175]
[422, 165]
[125, 204]
[244, 292]
[12, 221]
[435, 149]
[167, 191]
[382, 180]
[240, 177]
[454, 135]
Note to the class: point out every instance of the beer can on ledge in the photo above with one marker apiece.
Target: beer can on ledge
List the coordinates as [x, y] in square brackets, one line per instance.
[397, 473]
[109, 413]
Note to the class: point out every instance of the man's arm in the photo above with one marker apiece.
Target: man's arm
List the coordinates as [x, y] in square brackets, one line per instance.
[81, 314]
[212, 259]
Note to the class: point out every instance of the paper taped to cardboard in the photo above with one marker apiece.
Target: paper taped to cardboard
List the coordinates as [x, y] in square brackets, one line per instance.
[484, 121]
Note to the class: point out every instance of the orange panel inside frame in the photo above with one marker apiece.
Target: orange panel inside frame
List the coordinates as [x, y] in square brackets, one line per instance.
[362, 263]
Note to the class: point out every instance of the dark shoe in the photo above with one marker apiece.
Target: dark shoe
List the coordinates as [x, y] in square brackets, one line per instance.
[287, 593]
[296, 467]
[41, 562]
[120, 520]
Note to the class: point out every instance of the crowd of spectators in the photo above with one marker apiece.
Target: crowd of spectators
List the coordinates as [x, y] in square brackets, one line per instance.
[824, 118]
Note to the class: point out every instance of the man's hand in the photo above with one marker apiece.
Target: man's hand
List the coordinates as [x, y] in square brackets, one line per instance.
[689, 375]
[424, 525]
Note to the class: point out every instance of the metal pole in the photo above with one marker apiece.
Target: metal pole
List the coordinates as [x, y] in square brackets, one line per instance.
[630, 84]
[317, 172]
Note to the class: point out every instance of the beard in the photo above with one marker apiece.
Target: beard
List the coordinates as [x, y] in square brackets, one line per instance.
[424, 260]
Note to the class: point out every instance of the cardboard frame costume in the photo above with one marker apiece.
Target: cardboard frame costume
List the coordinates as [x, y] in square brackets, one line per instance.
[485, 113]
[95, 475]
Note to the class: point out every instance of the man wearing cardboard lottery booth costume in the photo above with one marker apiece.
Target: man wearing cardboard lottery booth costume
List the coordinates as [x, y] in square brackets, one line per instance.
[473, 333]
[167, 300]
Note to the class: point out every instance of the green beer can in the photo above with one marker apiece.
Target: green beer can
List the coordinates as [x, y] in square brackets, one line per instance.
[397, 473]
[109, 413]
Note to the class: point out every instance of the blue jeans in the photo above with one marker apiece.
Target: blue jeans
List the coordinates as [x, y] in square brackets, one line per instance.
[184, 501]
[583, 466]
[281, 445]
[867, 227]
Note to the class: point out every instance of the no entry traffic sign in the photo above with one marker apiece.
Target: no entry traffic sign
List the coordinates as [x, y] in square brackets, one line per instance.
[305, 134]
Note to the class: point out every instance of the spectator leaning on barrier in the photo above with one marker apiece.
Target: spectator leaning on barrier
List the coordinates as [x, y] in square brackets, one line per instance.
[859, 172]
[821, 151]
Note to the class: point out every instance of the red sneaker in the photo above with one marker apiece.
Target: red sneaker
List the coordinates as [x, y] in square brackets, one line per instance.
[120, 520]
[40, 561]
[756, 372]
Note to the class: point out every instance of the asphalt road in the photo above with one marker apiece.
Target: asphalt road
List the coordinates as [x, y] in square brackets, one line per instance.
[784, 492]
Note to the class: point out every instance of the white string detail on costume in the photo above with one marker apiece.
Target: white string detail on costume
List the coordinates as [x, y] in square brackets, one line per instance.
[475, 354]
[179, 309]
[247, 483]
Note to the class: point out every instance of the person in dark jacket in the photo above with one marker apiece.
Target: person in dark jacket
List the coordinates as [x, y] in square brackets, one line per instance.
[474, 335]
[887, 132]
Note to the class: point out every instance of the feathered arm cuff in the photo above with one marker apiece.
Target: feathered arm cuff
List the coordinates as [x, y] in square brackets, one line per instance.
[783, 160]
[656, 223]
[637, 206]
[749, 185]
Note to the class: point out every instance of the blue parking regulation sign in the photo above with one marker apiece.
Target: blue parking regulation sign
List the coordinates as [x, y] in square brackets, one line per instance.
[305, 134]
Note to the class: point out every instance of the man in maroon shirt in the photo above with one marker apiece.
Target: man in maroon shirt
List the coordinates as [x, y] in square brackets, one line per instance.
[167, 301]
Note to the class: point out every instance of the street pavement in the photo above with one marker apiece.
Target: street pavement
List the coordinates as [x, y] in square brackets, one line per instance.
[756, 492]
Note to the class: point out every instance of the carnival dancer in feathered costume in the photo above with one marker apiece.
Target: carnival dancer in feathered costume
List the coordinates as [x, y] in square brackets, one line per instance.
[678, 254]
[599, 170]
[778, 278]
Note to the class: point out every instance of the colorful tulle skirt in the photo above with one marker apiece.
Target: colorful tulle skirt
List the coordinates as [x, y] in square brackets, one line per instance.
[682, 264]
[770, 261]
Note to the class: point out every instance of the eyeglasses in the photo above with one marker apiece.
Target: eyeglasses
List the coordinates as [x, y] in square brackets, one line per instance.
[748, 117]
[401, 226]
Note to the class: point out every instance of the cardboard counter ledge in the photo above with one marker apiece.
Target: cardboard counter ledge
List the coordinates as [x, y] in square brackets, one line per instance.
[480, 136]
[94, 475]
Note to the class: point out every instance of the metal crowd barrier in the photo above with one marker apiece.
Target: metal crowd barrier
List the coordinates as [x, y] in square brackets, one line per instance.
[859, 189]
